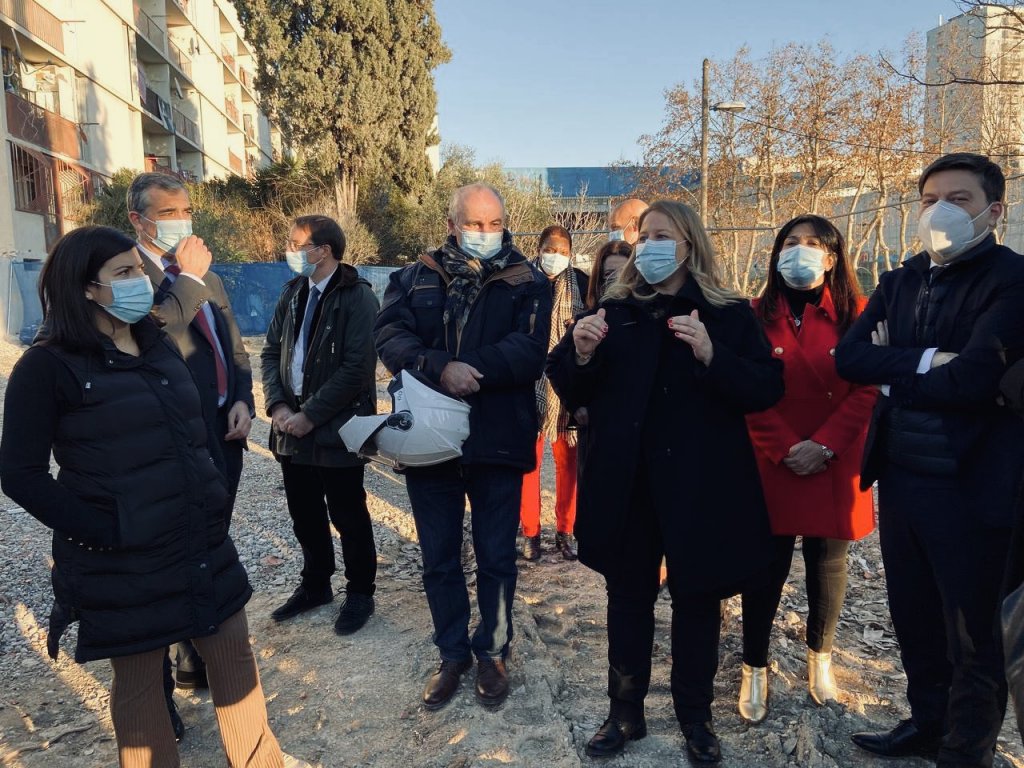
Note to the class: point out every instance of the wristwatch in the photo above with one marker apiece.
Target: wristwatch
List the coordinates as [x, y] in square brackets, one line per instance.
[827, 452]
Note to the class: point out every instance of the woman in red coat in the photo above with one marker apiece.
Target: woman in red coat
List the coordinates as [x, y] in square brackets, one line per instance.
[808, 449]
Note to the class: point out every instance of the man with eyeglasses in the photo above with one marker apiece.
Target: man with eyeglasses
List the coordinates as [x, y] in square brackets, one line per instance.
[319, 370]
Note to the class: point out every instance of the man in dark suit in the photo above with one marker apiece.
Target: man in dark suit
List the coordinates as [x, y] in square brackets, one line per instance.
[937, 336]
[194, 308]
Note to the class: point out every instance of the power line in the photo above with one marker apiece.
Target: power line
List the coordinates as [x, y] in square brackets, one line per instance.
[858, 145]
[840, 142]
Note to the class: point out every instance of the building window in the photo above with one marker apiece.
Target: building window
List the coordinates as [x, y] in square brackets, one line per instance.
[33, 181]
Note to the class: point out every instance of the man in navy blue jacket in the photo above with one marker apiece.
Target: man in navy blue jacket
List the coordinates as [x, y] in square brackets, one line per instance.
[474, 318]
[937, 336]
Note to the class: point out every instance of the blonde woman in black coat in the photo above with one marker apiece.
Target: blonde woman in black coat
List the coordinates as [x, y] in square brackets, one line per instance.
[667, 365]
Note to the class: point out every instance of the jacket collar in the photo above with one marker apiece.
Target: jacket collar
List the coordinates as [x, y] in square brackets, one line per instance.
[922, 262]
[690, 291]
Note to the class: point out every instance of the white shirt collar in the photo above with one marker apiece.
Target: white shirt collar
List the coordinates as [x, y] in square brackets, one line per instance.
[157, 260]
[322, 285]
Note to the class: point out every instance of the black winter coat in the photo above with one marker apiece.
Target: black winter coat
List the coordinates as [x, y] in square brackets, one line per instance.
[505, 338]
[975, 308]
[141, 554]
[338, 371]
[659, 418]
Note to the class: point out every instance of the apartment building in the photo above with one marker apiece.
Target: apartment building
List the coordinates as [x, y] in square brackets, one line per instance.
[986, 44]
[92, 86]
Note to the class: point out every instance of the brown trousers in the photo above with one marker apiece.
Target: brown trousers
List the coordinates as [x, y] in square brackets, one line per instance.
[139, 710]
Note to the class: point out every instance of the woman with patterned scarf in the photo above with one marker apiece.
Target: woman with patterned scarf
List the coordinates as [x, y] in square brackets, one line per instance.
[569, 291]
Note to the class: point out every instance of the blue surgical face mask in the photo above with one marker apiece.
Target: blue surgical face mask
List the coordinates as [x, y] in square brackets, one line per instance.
[170, 232]
[133, 298]
[483, 245]
[801, 266]
[616, 234]
[298, 264]
[656, 260]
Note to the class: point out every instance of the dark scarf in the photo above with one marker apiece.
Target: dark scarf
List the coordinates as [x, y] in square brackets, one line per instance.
[468, 275]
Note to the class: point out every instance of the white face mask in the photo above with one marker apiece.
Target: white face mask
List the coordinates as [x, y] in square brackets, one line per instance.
[801, 266]
[483, 245]
[554, 263]
[947, 230]
[170, 232]
[616, 234]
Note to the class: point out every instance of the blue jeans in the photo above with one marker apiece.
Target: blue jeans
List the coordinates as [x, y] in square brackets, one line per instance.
[438, 496]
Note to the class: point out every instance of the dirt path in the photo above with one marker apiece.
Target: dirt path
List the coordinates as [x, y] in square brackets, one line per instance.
[354, 701]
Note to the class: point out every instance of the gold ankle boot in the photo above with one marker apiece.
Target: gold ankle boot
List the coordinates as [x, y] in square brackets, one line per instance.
[754, 694]
[819, 677]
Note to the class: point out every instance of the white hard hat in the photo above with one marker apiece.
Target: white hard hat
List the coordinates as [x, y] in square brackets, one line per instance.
[425, 427]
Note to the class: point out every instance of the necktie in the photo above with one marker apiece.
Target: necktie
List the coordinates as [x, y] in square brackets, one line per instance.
[203, 323]
[307, 319]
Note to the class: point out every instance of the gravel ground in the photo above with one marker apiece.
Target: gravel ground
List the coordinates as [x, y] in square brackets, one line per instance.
[354, 701]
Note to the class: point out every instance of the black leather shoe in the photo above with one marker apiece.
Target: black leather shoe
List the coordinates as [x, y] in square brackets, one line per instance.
[491, 682]
[611, 737]
[566, 544]
[190, 679]
[531, 548]
[701, 743]
[905, 740]
[302, 600]
[189, 668]
[443, 684]
[354, 613]
[176, 723]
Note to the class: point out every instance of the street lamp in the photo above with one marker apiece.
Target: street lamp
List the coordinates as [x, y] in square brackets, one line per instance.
[705, 114]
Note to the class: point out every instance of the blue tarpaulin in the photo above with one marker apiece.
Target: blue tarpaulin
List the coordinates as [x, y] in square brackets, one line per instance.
[26, 277]
[252, 288]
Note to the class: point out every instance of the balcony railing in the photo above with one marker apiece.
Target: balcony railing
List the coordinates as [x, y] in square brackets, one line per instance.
[186, 127]
[235, 163]
[159, 107]
[231, 110]
[180, 60]
[37, 20]
[149, 29]
[30, 122]
[247, 78]
[159, 164]
[228, 58]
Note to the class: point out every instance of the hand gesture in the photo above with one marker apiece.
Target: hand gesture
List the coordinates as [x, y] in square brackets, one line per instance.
[460, 378]
[690, 329]
[806, 458]
[239, 422]
[298, 425]
[880, 336]
[941, 358]
[588, 333]
[193, 256]
[279, 417]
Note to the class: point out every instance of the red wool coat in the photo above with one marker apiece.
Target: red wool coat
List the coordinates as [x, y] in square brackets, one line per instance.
[818, 406]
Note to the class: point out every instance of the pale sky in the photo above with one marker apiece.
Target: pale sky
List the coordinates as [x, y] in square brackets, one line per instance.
[576, 82]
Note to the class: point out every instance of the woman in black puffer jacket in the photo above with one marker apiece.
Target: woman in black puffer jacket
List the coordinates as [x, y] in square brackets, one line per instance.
[141, 554]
